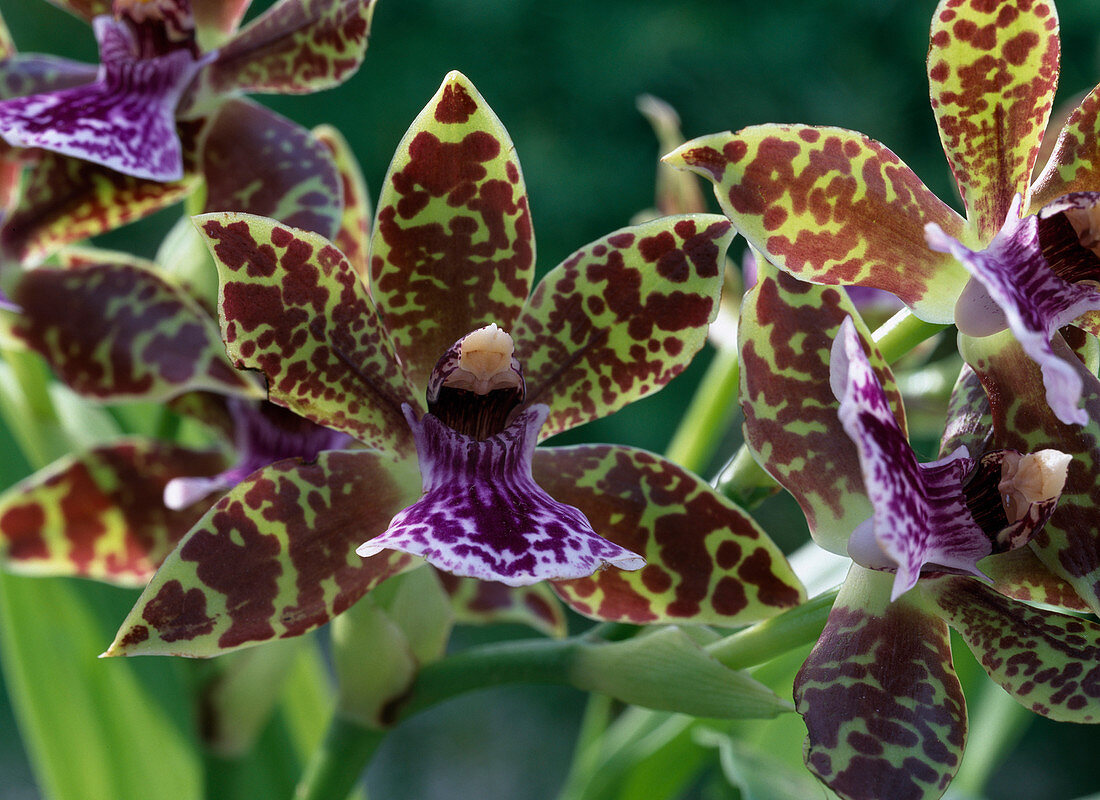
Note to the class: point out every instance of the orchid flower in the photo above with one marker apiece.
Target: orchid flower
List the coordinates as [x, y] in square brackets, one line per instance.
[161, 112]
[453, 474]
[831, 206]
[884, 710]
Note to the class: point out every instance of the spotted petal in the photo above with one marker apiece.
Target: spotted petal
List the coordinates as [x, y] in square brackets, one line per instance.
[1069, 544]
[1074, 166]
[65, 200]
[125, 120]
[620, 318]
[832, 206]
[452, 213]
[791, 424]
[1047, 661]
[992, 68]
[706, 560]
[483, 516]
[921, 515]
[884, 710]
[296, 46]
[274, 558]
[98, 514]
[119, 331]
[1031, 299]
[257, 162]
[292, 306]
[352, 237]
[477, 602]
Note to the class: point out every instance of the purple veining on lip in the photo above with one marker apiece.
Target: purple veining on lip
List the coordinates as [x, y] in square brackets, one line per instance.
[264, 433]
[920, 513]
[1013, 285]
[483, 516]
[124, 120]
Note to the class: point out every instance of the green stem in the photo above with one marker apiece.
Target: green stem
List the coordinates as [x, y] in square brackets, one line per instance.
[339, 761]
[29, 411]
[901, 333]
[588, 752]
[712, 408]
[765, 640]
[744, 481]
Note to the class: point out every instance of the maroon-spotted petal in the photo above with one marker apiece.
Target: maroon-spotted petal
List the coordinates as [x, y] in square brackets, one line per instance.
[483, 516]
[920, 512]
[883, 707]
[125, 120]
[258, 162]
[1026, 296]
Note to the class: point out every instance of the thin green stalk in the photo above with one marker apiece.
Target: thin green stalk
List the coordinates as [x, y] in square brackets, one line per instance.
[709, 414]
[765, 640]
[588, 751]
[338, 763]
[744, 481]
[901, 333]
[1001, 722]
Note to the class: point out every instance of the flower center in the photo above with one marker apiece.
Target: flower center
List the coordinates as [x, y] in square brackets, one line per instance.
[1031, 478]
[477, 384]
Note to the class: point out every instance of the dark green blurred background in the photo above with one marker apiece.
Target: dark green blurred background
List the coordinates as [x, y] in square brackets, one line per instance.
[563, 77]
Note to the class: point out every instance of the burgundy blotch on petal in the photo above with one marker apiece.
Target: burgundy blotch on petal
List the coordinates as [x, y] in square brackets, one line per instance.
[920, 512]
[1013, 285]
[124, 120]
[483, 516]
[263, 434]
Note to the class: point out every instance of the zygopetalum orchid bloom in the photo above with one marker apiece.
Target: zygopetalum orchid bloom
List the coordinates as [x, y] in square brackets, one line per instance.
[883, 707]
[162, 111]
[452, 255]
[832, 206]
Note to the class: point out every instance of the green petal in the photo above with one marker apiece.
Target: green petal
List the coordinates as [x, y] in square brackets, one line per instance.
[1069, 544]
[620, 318]
[707, 561]
[292, 306]
[65, 200]
[884, 710]
[118, 331]
[100, 514]
[1021, 575]
[274, 558]
[969, 424]
[477, 602]
[1047, 661]
[791, 425]
[257, 162]
[992, 70]
[452, 248]
[354, 231]
[1074, 166]
[835, 207]
[295, 47]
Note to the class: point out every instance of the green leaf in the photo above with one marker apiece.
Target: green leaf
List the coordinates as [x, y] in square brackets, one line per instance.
[791, 425]
[667, 670]
[833, 206]
[992, 72]
[274, 558]
[452, 249]
[296, 46]
[119, 331]
[757, 774]
[706, 560]
[94, 729]
[100, 513]
[884, 710]
[621, 317]
[293, 307]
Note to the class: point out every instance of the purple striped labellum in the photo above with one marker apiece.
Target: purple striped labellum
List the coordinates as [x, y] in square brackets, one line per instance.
[481, 514]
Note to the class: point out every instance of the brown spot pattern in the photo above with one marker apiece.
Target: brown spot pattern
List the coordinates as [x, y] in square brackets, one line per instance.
[680, 526]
